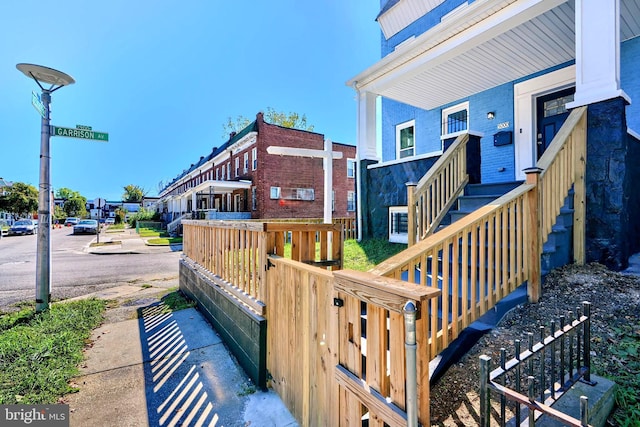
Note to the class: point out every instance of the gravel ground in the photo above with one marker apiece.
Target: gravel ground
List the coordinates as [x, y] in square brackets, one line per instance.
[615, 300]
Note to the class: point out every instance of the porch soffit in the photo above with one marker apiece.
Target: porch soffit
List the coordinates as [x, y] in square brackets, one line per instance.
[490, 44]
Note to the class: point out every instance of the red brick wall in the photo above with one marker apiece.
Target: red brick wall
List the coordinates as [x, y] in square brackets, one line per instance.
[297, 172]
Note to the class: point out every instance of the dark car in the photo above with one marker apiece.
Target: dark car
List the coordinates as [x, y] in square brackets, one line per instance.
[86, 226]
[23, 226]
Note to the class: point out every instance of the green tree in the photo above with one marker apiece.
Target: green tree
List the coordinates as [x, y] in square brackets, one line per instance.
[20, 199]
[132, 193]
[59, 213]
[287, 120]
[76, 206]
[66, 193]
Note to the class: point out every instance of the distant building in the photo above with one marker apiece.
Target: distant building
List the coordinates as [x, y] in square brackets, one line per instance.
[5, 217]
[240, 180]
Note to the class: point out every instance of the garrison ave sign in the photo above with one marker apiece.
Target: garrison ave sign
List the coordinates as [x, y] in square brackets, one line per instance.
[81, 132]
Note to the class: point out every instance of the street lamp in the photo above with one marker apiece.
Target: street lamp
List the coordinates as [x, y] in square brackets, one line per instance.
[56, 79]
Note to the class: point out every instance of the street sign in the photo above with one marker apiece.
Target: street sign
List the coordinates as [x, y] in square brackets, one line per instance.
[79, 133]
[37, 103]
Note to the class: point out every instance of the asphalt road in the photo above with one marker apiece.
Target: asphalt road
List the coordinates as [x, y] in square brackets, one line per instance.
[74, 271]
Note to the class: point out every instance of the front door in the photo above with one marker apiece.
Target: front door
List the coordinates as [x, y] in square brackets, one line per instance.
[551, 112]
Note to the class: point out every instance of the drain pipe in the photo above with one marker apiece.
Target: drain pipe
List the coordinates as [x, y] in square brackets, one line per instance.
[411, 389]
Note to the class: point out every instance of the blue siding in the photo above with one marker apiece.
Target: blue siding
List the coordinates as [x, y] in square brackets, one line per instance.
[499, 100]
[630, 79]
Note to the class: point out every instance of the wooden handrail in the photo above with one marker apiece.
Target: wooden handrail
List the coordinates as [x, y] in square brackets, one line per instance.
[437, 190]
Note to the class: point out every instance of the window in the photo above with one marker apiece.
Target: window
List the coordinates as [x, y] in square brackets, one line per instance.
[351, 168]
[223, 172]
[217, 174]
[237, 167]
[229, 175]
[254, 156]
[398, 224]
[405, 139]
[275, 193]
[333, 200]
[351, 201]
[455, 120]
[246, 162]
[254, 198]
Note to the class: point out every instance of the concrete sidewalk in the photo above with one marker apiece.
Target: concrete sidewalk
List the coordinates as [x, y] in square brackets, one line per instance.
[147, 366]
[126, 241]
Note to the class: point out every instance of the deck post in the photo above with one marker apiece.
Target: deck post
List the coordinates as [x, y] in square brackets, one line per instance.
[412, 223]
[532, 227]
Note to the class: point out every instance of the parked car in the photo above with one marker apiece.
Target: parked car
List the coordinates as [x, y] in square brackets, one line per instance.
[71, 221]
[86, 226]
[110, 221]
[23, 226]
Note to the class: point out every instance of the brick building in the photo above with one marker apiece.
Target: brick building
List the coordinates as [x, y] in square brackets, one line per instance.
[241, 180]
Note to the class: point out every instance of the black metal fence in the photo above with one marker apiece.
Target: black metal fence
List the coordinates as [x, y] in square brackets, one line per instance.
[530, 382]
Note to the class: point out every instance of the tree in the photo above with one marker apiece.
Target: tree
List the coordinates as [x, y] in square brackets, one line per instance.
[20, 199]
[290, 120]
[76, 206]
[66, 193]
[132, 193]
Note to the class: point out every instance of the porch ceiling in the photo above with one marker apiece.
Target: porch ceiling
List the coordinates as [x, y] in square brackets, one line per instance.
[487, 44]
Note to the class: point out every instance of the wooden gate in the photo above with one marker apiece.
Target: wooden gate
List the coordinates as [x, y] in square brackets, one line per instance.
[371, 370]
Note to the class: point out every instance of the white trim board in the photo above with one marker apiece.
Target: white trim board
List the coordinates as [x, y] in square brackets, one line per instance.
[524, 105]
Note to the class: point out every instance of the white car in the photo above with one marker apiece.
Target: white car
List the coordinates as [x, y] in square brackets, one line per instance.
[110, 221]
[24, 226]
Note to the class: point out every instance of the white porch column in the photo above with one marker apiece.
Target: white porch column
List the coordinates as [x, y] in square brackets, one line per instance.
[597, 52]
[194, 201]
[366, 144]
[366, 126]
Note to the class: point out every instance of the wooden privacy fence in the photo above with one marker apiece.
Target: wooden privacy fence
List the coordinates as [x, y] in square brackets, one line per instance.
[484, 256]
[236, 251]
[432, 197]
[336, 345]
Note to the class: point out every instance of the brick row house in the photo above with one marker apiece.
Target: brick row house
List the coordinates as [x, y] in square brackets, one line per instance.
[241, 180]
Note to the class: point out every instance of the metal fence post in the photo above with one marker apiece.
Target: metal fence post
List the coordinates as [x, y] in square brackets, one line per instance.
[411, 392]
[485, 394]
[586, 308]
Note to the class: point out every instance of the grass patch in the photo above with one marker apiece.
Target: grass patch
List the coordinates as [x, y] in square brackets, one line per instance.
[361, 256]
[111, 242]
[365, 255]
[40, 352]
[624, 369]
[117, 226]
[160, 241]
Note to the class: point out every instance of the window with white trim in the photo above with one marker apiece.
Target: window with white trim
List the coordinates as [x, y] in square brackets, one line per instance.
[351, 201]
[254, 157]
[333, 200]
[351, 168]
[274, 193]
[405, 139]
[398, 224]
[223, 169]
[237, 167]
[246, 162]
[229, 174]
[455, 120]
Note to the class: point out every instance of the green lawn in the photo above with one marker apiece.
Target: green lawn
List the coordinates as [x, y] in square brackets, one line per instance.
[364, 255]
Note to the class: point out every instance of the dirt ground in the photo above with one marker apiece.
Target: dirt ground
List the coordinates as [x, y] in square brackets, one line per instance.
[615, 300]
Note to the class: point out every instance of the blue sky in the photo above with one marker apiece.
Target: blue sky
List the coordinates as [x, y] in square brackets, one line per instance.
[162, 77]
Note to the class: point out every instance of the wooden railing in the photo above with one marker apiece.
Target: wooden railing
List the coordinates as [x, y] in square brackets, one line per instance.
[348, 224]
[329, 365]
[437, 190]
[236, 251]
[483, 257]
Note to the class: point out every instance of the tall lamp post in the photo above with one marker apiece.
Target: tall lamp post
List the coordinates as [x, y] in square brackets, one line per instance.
[56, 79]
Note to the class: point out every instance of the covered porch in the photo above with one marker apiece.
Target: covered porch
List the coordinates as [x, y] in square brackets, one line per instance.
[212, 199]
